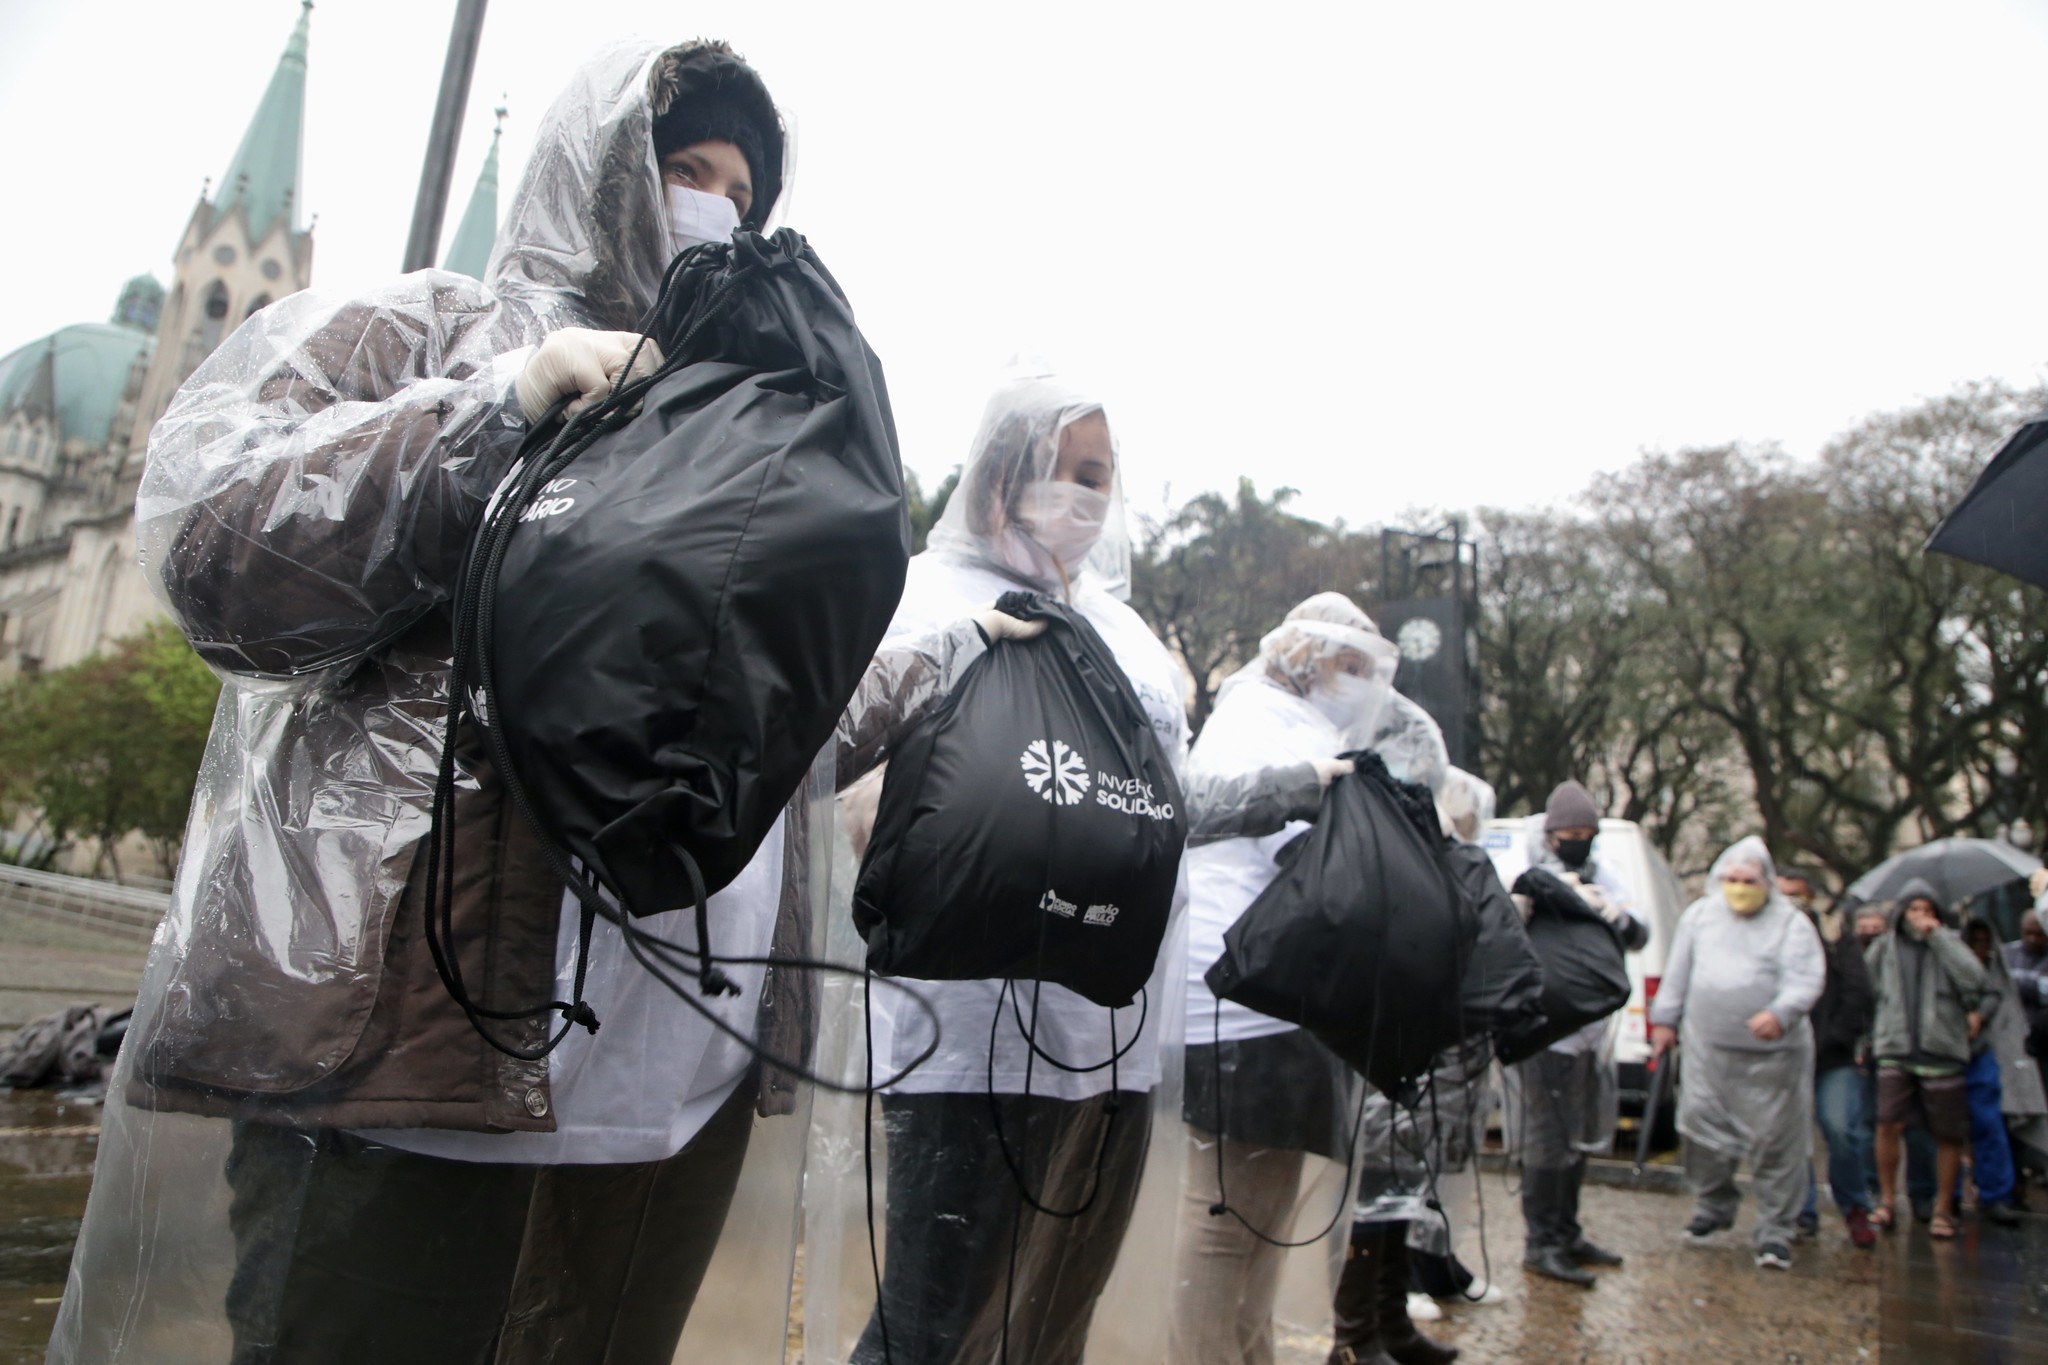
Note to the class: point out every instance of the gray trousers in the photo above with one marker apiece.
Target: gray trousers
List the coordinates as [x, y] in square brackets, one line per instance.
[1779, 1176]
[348, 1252]
[1226, 1277]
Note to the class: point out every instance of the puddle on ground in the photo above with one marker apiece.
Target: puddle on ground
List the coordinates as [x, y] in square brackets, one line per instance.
[46, 1150]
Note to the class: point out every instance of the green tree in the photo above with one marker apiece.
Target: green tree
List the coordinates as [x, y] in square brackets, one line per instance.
[110, 745]
[926, 511]
[1219, 573]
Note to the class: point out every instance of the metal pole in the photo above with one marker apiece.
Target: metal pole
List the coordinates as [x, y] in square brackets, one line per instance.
[432, 204]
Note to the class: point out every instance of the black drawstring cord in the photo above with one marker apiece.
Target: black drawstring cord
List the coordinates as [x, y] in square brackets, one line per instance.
[867, 1151]
[473, 640]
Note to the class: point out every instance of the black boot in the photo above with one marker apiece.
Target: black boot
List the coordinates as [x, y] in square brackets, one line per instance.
[1581, 1251]
[1399, 1336]
[1551, 1228]
[1356, 1308]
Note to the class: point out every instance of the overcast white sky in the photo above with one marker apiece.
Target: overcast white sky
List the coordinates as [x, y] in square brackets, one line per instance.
[1392, 254]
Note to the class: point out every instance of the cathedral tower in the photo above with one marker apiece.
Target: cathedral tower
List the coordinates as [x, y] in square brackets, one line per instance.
[242, 248]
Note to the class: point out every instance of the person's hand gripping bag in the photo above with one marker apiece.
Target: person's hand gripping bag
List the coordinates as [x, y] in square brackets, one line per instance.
[1030, 827]
[1364, 936]
[1585, 970]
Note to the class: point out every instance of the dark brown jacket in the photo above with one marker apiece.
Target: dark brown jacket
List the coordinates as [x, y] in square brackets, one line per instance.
[303, 513]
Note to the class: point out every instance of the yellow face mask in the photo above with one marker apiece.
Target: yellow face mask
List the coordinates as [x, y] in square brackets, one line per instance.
[1744, 898]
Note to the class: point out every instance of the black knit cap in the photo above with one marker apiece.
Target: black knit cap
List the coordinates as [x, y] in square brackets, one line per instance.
[705, 92]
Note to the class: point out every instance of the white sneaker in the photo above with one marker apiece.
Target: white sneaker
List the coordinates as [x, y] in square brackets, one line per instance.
[1488, 1295]
[1422, 1308]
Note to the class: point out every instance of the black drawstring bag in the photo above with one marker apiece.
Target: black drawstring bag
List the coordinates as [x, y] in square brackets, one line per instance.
[1503, 987]
[1030, 826]
[671, 599]
[1364, 935]
[688, 603]
[1585, 973]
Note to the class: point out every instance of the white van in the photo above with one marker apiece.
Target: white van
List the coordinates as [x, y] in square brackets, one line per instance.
[1623, 849]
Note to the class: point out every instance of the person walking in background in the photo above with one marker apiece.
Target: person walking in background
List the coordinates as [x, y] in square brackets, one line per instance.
[1930, 988]
[1999, 1070]
[1840, 1020]
[1745, 970]
[2027, 960]
[1872, 924]
[1567, 1095]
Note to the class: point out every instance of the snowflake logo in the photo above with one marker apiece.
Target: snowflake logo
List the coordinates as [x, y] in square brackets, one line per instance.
[1061, 779]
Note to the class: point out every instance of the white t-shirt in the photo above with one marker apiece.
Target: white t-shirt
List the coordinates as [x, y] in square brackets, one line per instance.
[1258, 724]
[941, 591]
[656, 1070]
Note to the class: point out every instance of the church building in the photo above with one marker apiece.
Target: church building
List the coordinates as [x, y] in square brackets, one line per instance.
[76, 406]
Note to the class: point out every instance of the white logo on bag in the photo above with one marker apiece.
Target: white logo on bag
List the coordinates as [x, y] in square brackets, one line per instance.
[1131, 795]
[1051, 903]
[1061, 778]
[548, 503]
[1100, 914]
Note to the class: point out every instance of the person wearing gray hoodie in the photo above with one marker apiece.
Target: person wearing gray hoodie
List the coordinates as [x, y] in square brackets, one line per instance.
[1931, 998]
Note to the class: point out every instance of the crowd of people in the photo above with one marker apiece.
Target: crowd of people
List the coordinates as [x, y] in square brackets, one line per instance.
[398, 1183]
[1907, 1039]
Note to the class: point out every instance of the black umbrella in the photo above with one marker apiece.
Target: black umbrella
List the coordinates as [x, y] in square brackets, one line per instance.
[2002, 522]
[1957, 869]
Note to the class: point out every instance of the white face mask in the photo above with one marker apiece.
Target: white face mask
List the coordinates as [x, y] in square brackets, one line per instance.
[1343, 698]
[1065, 518]
[695, 217]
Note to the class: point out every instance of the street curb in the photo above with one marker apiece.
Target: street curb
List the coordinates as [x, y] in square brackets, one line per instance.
[1656, 1178]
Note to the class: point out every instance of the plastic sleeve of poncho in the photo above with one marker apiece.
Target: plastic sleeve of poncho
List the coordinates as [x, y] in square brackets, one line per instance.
[1805, 973]
[1248, 805]
[1669, 1006]
[906, 679]
[310, 491]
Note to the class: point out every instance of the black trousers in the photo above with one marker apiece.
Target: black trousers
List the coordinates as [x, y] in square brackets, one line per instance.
[954, 1209]
[348, 1252]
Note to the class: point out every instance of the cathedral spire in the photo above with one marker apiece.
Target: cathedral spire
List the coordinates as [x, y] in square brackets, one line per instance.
[469, 251]
[264, 176]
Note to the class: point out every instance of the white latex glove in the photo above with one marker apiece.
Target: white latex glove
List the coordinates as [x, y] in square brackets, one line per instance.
[1525, 904]
[1328, 770]
[577, 360]
[998, 625]
[1593, 896]
[857, 807]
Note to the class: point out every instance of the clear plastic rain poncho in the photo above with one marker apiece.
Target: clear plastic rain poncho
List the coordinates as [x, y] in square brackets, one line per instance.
[304, 510]
[1466, 803]
[946, 1206]
[1282, 1103]
[1742, 1095]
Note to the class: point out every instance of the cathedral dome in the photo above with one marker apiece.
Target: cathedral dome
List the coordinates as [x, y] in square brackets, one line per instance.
[89, 364]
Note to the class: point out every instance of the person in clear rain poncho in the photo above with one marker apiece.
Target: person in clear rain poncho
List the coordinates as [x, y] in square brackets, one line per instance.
[1265, 1091]
[1745, 970]
[967, 1266]
[309, 1154]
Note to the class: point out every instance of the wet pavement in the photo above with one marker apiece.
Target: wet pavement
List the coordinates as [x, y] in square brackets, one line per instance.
[1980, 1300]
[1670, 1302]
[46, 1152]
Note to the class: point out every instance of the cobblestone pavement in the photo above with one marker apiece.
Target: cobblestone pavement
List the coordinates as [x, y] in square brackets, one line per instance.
[1671, 1303]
